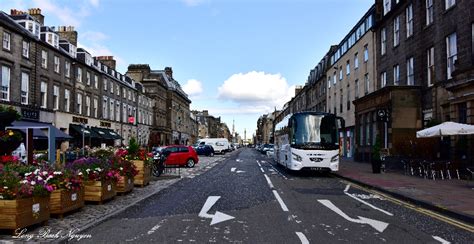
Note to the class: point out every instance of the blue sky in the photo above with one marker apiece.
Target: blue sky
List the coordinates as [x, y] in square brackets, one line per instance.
[238, 59]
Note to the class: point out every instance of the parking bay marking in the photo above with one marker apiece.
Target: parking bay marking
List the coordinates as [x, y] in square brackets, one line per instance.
[218, 216]
[364, 202]
[376, 224]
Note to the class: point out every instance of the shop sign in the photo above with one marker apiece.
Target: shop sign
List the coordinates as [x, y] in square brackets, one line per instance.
[79, 120]
[29, 114]
[105, 124]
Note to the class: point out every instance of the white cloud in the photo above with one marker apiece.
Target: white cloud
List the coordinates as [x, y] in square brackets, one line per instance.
[193, 3]
[97, 49]
[94, 3]
[193, 87]
[64, 14]
[256, 92]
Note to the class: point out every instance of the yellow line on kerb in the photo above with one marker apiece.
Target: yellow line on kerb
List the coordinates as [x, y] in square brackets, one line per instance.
[430, 213]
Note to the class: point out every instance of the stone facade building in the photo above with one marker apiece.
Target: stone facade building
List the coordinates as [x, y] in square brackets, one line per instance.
[424, 58]
[172, 121]
[209, 126]
[351, 75]
[48, 79]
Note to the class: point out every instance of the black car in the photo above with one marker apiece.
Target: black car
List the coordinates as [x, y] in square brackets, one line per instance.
[207, 150]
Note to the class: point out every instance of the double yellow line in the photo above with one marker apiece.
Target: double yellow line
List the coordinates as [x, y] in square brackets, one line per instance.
[430, 213]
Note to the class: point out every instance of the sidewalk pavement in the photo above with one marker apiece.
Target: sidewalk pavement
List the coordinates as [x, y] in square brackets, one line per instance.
[454, 198]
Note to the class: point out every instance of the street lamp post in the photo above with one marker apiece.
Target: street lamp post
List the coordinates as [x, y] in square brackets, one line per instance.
[83, 140]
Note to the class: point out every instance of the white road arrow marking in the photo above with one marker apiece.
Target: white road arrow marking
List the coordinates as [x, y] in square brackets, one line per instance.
[238, 171]
[378, 225]
[218, 216]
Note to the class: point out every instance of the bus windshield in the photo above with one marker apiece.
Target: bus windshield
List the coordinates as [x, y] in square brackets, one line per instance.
[311, 131]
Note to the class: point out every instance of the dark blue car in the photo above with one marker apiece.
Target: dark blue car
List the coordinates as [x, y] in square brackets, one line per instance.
[207, 150]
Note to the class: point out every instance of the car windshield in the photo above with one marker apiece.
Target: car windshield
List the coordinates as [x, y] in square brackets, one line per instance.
[311, 131]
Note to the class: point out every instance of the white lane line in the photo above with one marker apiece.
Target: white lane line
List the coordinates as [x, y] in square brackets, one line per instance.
[282, 175]
[269, 181]
[261, 169]
[302, 237]
[364, 202]
[233, 169]
[280, 201]
[441, 240]
[259, 165]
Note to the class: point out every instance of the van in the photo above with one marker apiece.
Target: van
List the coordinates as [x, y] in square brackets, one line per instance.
[220, 145]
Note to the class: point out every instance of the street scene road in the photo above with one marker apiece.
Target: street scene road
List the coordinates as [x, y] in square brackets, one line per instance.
[247, 198]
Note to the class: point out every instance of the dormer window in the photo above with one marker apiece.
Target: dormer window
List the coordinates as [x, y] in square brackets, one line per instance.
[73, 50]
[53, 39]
[105, 68]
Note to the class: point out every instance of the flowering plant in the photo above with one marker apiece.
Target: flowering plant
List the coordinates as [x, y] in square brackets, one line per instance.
[94, 169]
[123, 167]
[5, 159]
[20, 181]
[11, 186]
[134, 152]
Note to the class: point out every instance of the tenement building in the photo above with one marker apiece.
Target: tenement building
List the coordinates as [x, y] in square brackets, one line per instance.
[209, 126]
[49, 80]
[424, 67]
[172, 119]
[351, 75]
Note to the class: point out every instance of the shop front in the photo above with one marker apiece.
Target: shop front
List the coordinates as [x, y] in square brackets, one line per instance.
[389, 116]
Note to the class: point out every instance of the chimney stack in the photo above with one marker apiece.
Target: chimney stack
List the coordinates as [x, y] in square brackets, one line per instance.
[36, 13]
[16, 12]
[68, 33]
[169, 72]
[109, 61]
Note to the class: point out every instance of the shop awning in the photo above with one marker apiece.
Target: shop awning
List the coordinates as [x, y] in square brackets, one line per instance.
[40, 133]
[113, 134]
[106, 134]
[88, 132]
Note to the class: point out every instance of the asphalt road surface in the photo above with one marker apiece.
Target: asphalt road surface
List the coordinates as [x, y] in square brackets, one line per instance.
[247, 198]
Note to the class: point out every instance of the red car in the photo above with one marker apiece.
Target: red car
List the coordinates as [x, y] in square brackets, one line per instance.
[180, 155]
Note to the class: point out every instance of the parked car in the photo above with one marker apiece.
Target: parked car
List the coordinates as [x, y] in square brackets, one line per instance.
[220, 145]
[180, 155]
[207, 150]
[265, 148]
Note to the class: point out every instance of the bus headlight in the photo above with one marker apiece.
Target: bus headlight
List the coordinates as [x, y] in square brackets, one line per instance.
[335, 158]
[297, 157]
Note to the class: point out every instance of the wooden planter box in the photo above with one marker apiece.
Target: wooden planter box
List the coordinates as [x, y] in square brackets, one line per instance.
[144, 173]
[21, 213]
[125, 184]
[62, 201]
[99, 191]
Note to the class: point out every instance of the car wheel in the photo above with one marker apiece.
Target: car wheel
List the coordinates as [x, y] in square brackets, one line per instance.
[211, 154]
[190, 163]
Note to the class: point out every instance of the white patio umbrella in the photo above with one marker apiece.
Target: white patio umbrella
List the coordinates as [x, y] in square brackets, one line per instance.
[446, 129]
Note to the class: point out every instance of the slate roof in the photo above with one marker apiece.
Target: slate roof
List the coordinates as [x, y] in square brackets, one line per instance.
[10, 23]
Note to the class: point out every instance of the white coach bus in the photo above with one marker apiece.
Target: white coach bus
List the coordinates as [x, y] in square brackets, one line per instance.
[308, 140]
